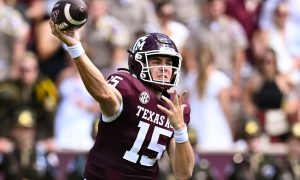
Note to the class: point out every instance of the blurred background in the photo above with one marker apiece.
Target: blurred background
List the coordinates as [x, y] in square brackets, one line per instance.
[241, 67]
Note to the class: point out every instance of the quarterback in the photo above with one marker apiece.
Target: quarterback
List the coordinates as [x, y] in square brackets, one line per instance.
[140, 118]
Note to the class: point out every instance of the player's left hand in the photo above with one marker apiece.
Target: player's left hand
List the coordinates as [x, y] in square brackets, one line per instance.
[176, 108]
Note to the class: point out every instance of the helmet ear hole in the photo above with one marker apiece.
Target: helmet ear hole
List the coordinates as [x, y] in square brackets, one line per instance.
[143, 75]
[138, 56]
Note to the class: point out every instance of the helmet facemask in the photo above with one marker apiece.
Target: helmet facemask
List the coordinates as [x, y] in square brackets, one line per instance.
[146, 76]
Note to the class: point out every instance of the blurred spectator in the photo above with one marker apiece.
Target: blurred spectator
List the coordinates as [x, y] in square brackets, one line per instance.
[177, 31]
[76, 112]
[105, 37]
[137, 15]
[14, 33]
[33, 89]
[257, 48]
[266, 16]
[186, 11]
[9, 99]
[227, 39]
[51, 55]
[268, 95]
[283, 38]
[75, 168]
[28, 159]
[292, 161]
[247, 12]
[268, 7]
[225, 36]
[202, 169]
[209, 98]
[253, 164]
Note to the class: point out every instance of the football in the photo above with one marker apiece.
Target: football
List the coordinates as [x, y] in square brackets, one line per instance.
[69, 14]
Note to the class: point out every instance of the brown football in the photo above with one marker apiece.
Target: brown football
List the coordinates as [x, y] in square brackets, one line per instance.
[69, 14]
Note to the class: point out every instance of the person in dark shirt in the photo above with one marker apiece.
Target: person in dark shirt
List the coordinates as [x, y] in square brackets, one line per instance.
[140, 118]
[32, 89]
[28, 158]
[269, 95]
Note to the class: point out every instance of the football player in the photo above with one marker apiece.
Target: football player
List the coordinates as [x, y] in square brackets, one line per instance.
[140, 119]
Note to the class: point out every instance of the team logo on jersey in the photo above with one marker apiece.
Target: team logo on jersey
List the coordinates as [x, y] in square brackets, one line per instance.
[144, 97]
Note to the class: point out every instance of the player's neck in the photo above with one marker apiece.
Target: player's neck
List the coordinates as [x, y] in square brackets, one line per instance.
[157, 93]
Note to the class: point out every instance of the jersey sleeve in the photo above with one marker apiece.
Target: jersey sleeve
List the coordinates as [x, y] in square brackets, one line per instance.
[122, 82]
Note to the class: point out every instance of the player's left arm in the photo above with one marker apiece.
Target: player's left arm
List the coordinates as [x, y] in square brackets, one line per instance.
[181, 153]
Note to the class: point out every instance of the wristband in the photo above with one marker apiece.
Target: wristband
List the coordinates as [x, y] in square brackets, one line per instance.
[181, 135]
[76, 50]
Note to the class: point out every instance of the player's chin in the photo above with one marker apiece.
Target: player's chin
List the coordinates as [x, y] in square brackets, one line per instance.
[165, 80]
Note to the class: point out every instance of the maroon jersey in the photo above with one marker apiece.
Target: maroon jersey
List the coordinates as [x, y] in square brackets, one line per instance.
[129, 146]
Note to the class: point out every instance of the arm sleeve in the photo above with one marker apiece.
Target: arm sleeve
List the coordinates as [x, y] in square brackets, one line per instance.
[123, 83]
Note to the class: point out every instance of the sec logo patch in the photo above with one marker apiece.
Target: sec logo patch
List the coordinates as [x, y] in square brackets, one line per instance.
[144, 97]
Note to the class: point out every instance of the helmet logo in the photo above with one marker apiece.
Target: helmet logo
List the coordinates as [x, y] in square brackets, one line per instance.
[139, 44]
[144, 97]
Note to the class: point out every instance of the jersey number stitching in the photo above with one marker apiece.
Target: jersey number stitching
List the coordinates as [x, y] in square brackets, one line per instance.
[133, 156]
[114, 80]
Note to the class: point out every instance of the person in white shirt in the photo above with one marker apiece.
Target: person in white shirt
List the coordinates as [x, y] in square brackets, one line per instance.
[209, 98]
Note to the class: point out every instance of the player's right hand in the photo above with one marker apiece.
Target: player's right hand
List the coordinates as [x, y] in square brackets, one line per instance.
[70, 38]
